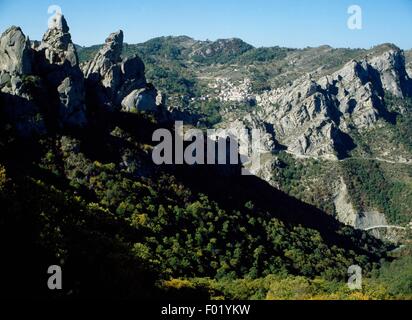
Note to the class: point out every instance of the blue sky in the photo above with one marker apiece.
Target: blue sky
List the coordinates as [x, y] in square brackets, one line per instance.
[291, 23]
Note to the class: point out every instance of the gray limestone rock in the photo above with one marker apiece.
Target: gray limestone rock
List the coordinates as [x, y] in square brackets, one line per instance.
[15, 52]
[58, 62]
[392, 73]
[145, 99]
[311, 117]
[17, 85]
[57, 44]
[111, 79]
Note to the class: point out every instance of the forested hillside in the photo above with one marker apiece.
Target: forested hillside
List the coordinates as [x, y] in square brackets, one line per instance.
[79, 188]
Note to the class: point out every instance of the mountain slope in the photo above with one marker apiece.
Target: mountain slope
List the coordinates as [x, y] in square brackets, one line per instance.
[318, 103]
[86, 195]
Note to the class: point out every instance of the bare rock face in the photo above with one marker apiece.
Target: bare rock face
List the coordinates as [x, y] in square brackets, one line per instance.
[104, 67]
[302, 117]
[112, 80]
[58, 64]
[260, 162]
[18, 88]
[15, 52]
[145, 99]
[314, 117]
[57, 44]
[43, 80]
[392, 73]
[345, 211]
[317, 141]
[357, 93]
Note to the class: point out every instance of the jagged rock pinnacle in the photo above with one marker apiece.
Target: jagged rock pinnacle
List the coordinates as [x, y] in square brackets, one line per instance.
[63, 72]
[113, 46]
[15, 53]
[108, 55]
[112, 79]
[57, 43]
[59, 23]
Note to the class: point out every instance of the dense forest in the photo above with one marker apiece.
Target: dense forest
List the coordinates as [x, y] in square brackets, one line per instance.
[93, 202]
[79, 188]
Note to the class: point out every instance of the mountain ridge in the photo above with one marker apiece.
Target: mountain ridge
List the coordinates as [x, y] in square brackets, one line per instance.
[224, 93]
[79, 187]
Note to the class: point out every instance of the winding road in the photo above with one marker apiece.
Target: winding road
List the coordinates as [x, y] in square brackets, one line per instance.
[385, 227]
[405, 162]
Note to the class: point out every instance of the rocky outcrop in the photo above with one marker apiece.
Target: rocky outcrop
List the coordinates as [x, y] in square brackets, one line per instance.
[18, 88]
[15, 53]
[314, 117]
[255, 151]
[392, 73]
[42, 82]
[345, 212]
[104, 69]
[59, 66]
[302, 118]
[57, 45]
[115, 83]
[147, 99]
[222, 48]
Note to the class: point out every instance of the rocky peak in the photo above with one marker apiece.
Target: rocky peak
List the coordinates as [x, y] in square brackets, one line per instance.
[114, 83]
[392, 71]
[106, 58]
[17, 83]
[15, 52]
[313, 117]
[113, 46]
[58, 65]
[45, 79]
[57, 43]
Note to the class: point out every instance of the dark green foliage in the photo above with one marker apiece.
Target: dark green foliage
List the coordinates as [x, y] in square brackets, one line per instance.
[291, 175]
[210, 110]
[171, 79]
[397, 276]
[264, 55]
[73, 200]
[402, 130]
[87, 53]
[164, 47]
[42, 225]
[370, 189]
[221, 51]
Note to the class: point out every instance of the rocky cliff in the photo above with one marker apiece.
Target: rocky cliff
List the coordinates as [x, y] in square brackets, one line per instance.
[346, 132]
[315, 117]
[114, 82]
[316, 104]
[43, 87]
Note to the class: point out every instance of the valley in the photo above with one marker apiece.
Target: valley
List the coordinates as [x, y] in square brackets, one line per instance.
[318, 103]
[79, 188]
